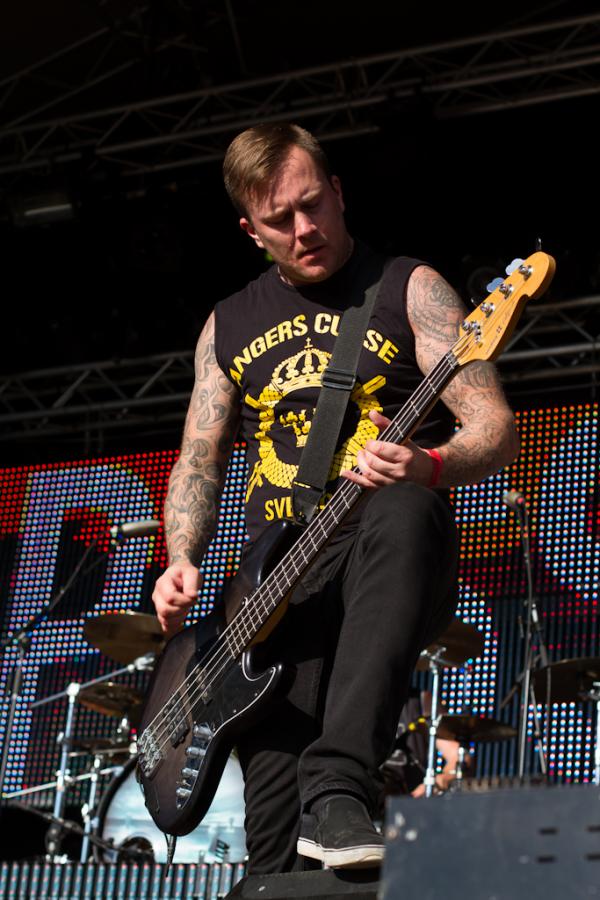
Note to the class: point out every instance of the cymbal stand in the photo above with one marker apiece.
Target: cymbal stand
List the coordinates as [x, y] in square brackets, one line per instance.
[141, 664]
[55, 832]
[436, 663]
[532, 630]
[88, 810]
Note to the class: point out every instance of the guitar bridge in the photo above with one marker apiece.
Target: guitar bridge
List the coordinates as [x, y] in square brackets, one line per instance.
[195, 753]
[149, 752]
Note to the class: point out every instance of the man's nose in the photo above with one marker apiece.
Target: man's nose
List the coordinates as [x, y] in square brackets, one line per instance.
[304, 225]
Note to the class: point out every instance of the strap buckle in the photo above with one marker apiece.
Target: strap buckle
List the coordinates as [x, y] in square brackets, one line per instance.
[338, 379]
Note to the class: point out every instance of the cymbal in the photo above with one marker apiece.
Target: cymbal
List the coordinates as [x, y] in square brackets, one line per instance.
[467, 728]
[125, 635]
[111, 699]
[458, 643]
[570, 679]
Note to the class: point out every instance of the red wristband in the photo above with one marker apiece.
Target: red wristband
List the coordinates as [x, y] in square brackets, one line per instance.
[438, 464]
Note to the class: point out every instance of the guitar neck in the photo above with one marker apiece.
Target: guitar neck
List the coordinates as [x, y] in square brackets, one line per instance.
[265, 599]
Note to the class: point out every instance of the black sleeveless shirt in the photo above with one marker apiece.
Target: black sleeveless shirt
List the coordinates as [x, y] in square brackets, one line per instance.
[273, 340]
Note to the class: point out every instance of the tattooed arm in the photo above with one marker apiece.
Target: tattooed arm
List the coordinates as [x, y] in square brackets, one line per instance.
[196, 481]
[487, 439]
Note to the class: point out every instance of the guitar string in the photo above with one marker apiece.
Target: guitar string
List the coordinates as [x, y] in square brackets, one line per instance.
[219, 653]
[223, 653]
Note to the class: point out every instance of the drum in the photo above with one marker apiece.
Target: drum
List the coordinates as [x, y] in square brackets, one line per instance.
[124, 821]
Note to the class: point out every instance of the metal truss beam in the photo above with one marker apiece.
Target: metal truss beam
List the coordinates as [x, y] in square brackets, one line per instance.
[555, 347]
[516, 67]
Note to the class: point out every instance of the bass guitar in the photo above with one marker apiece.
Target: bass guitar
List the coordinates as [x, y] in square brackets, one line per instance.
[205, 691]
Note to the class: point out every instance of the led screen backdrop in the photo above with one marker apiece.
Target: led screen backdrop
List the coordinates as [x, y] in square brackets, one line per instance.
[50, 515]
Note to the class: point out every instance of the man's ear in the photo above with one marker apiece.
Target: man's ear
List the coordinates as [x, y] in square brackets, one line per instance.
[247, 226]
[336, 184]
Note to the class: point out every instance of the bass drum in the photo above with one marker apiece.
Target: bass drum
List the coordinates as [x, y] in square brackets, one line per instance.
[124, 821]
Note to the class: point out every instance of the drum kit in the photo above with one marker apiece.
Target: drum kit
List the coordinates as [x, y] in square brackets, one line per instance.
[116, 824]
[566, 681]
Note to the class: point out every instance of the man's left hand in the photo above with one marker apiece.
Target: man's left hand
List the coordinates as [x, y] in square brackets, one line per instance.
[382, 463]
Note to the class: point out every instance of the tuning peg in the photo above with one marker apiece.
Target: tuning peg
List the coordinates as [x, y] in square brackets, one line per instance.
[491, 287]
[513, 265]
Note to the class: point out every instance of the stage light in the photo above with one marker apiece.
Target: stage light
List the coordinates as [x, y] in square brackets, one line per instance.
[45, 208]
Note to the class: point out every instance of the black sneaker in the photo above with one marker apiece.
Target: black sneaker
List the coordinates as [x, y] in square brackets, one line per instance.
[341, 834]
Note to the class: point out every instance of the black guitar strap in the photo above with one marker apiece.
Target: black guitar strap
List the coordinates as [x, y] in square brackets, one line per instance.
[338, 381]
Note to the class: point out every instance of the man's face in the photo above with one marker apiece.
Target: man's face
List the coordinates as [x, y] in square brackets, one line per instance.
[299, 220]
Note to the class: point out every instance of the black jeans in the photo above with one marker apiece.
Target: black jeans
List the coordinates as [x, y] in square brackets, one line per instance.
[352, 634]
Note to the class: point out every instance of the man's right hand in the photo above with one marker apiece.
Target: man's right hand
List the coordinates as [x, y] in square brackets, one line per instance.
[175, 593]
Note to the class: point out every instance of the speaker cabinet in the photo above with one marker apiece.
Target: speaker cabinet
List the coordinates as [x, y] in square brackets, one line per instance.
[520, 844]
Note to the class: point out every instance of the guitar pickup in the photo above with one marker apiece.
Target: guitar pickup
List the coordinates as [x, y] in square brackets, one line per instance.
[176, 720]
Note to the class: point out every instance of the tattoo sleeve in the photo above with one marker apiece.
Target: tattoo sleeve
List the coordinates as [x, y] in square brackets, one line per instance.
[487, 439]
[196, 481]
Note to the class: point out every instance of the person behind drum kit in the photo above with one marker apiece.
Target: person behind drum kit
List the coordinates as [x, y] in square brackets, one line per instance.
[404, 771]
[386, 585]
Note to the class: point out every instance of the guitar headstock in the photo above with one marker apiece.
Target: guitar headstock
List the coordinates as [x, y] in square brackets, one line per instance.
[487, 329]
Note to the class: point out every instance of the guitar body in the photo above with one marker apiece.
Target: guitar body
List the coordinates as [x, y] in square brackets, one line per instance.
[191, 738]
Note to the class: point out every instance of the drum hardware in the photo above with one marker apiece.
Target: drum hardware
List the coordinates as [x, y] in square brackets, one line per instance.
[465, 728]
[436, 662]
[126, 635]
[22, 640]
[114, 698]
[469, 728]
[572, 681]
[123, 822]
[89, 808]
[118, 749]
[51, 785]
[533, 655]
[458, 643]
[73, 828]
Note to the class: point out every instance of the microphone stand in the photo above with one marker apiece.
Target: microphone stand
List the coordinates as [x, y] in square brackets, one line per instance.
[22, 638]
[532, 635]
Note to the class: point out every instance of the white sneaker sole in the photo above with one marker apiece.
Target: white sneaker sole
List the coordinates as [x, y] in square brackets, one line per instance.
[364, 857]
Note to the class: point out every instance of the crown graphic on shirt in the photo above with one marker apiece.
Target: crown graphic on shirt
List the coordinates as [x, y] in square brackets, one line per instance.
[299, 423]
[302, 370]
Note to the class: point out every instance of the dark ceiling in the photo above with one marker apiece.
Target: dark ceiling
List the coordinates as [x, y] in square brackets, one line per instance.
[147, 254]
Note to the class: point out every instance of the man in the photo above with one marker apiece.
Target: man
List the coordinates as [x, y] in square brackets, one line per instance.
[385, 587]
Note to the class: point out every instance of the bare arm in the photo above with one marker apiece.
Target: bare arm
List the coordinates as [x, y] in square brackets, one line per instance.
[487, 439]
[196, 482]
[197, 478]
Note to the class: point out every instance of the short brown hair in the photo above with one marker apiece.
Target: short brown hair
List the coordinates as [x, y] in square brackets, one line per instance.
[256, 154]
